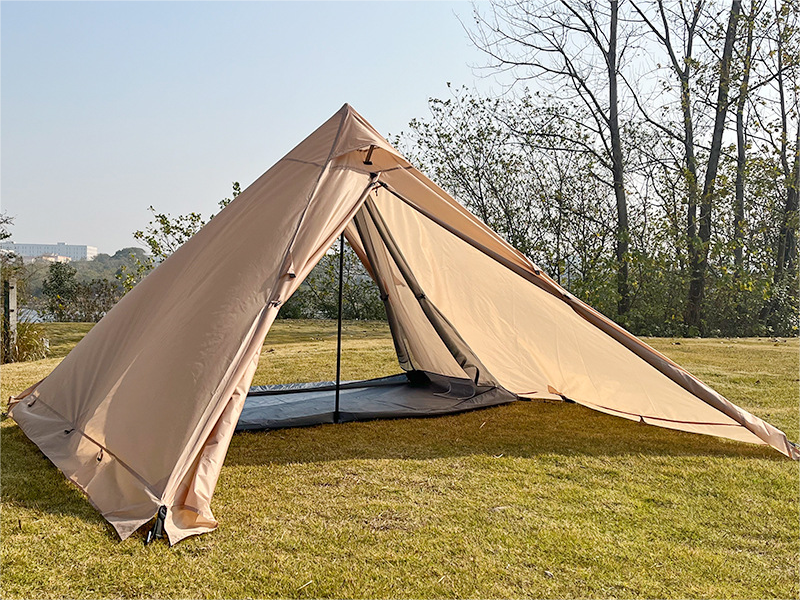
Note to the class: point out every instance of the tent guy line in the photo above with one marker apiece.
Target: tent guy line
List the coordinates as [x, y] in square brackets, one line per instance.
[474, 324]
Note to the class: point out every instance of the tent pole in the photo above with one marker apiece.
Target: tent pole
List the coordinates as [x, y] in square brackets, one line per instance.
[339, 330]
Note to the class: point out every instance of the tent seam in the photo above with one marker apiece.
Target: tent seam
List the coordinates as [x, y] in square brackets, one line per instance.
[103, 447]
[313, 191]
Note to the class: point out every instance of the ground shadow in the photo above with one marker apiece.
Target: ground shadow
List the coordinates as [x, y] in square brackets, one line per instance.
[520, 429]
[30, 480]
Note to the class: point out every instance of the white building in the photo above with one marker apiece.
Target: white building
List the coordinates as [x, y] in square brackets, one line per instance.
[47, 258]
[60, 249]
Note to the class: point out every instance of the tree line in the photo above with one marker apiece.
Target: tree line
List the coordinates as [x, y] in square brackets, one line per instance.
[82, 290]
[645, 155]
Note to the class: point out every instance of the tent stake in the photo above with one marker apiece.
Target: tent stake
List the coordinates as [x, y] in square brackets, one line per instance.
[157, 532]
[339, 330]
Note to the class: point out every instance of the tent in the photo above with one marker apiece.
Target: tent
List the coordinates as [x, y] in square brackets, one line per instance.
[140, 414]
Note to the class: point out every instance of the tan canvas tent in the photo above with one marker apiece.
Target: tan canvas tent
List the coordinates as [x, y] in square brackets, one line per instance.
[140, 414]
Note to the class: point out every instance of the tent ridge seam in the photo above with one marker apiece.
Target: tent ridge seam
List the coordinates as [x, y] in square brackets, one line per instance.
[314, 189]
[303, 162]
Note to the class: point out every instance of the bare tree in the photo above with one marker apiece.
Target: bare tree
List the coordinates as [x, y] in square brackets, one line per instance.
[697, 284]
[679, 23]
[578, 48]
[786, 76]
[745, 60]
[776, 111]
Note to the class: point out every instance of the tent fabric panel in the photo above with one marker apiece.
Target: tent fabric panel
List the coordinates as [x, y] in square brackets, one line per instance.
[358, 135]
[532, 341]
[190, 504]
[416, 188]
[433, 202]
[116, 380]
[190, 511]
[337, 198]
[424, 347]
[364, 248]
[96, 471]
[449, 336]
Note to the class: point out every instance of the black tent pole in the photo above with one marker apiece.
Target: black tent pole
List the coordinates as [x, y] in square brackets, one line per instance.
[339, 330]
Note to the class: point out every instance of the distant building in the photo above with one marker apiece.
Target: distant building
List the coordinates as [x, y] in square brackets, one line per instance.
[60, 249]
[47, 258]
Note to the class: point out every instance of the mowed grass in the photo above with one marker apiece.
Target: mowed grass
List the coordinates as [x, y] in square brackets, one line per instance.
[531, 499]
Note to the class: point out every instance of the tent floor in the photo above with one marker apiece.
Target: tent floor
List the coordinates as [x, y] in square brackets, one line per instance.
[396, 396]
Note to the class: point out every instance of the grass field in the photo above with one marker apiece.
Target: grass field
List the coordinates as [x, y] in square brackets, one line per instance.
[531, 499]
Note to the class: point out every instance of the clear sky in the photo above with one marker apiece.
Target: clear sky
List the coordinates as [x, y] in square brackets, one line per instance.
[109, 107]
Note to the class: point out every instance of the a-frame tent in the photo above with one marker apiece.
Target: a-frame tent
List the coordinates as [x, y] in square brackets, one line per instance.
[140, 414]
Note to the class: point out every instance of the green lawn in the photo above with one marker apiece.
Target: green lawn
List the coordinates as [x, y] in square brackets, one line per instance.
[531, 499]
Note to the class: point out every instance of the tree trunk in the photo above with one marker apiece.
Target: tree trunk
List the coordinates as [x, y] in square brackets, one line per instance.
[700, 265]
[786, 258]
[741, 152]
[617, 169]
[691, 188]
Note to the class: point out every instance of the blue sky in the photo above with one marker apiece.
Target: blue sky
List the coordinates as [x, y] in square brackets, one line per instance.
[109, 107]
